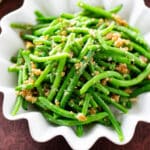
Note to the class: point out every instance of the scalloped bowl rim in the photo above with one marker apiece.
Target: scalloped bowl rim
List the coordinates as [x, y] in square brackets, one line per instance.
[64, 131]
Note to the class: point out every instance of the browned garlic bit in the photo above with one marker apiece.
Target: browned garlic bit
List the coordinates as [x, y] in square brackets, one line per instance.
[63, 33]
[148, 77]
[57, 103]
[30, 98]
[96, 72]
[71, 54]
[100, 21]
[28, 45]
[122, 68]
[92, 111]
[113, 36]
[125, 48]
[128, 90]
[46, 93]
[81, 117]
[143, 59]
[46, 37]
[104, 81]
[121, 42]
[33, 65]
[78, 65]
[29, 81]
[63, 74]
[36, 72]
[28, 95]
[115, 97]
[119, 20]
[85, 57]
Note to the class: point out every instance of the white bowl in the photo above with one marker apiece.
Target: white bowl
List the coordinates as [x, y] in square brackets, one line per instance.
[133, 11]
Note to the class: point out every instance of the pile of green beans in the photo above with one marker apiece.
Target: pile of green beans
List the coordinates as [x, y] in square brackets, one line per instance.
[74, 67]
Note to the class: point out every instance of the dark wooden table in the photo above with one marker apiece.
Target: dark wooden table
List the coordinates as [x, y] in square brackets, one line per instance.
[14, 135]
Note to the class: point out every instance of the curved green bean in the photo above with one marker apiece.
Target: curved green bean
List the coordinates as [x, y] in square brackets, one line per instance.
[99, 77]
[127, 83]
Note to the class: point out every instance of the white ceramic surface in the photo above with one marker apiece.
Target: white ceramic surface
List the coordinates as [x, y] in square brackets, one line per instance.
[134, 11]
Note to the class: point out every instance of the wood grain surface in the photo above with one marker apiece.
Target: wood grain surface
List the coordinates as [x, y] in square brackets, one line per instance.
[14, 135]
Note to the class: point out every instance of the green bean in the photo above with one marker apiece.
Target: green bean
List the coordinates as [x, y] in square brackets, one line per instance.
[78, 30]
[103, 26]
[145, 81]
[117, 91]
[40, 31]
[111, 66]
[134, 68]
[45, 104]
[25, 105]
[49, 58]
[28, 37]
[123, 53]
[60, 68]
[91, 22]
[85, 49]
[109, 56]
[138, 91]
[90, 119]
[19, 57]
[39, 41]
[76, 77]
[46, 19]
[51, 29]
[133, 35]
[97, 78]
[47, 69]
[38, 14]
[100, 87]
[98, 11]
[116, 9]
[40, 90]
[65, 84]
[19, 99]
[79, 130]
[24, 87]
[74, 106]
[111, 101]
[14, 68]
[39, 26]
[86, 104]
[127, 83]
[59, 38]
[25, 55]
[110, 115]
[21, 26]
[93, 103]
[140, 49]
[105, 31]
[67, 16]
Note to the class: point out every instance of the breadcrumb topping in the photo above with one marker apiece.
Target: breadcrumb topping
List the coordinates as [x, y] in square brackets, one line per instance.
[104, 81]
[119, 20]
[92, 111]
[122, 68]
[36, 72]
[29, 45]
[81, 117]
[143, 59]
[128, 90]
[78, 65]
[115, 97]
[28, 95]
